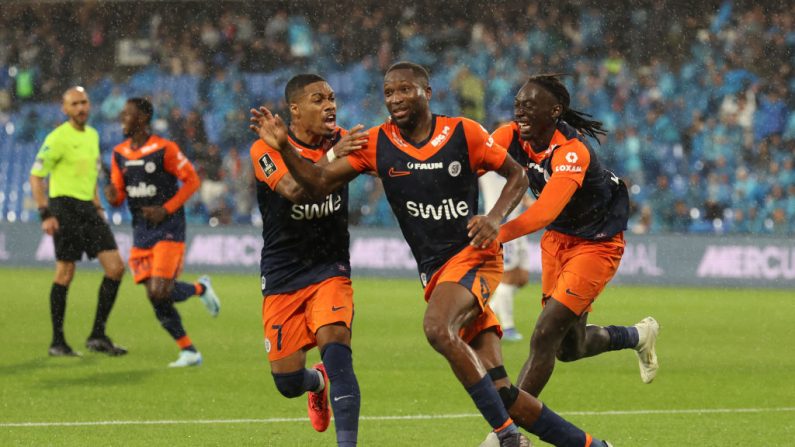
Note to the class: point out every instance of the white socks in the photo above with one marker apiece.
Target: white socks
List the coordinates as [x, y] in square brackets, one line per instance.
[502, 304]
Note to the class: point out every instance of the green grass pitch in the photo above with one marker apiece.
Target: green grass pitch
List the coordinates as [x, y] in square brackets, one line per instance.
[726, 376]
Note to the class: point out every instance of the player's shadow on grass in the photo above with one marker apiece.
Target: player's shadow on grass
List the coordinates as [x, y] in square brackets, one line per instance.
[39, 364]
[129, 377]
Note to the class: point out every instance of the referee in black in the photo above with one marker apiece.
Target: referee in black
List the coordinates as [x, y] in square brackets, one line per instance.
[73, 217]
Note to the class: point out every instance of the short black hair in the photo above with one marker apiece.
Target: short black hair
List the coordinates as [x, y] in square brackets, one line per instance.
[144, 106]
[418, 70]
[297, 83]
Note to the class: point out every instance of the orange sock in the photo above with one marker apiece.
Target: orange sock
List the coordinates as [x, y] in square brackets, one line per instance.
[588, 440]
[199, 288]
[502, 427]
[184, 342]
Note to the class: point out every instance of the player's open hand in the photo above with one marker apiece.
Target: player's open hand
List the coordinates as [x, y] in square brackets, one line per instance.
[154, 214]
[353, 141]
[483, 230]
[270, 128]
[50, 225]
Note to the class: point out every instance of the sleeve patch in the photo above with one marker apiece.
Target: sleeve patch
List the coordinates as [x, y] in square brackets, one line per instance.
[267, 165]
[38, 165]
[571, 157]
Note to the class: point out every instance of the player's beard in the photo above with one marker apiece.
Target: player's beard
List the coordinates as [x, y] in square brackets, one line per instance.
[80, 118]
[408, 122]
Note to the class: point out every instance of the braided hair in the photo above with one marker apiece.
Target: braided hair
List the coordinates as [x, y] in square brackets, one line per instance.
[579, 120]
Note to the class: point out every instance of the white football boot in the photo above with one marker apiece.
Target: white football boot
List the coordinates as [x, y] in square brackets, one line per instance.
[491, 440]
[209, 298]
[648, 328]
[187, 358]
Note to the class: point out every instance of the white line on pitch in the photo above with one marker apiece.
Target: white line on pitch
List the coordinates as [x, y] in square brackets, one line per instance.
[393, 418]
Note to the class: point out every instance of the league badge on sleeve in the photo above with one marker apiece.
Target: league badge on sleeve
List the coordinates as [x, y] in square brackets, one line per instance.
[267, 165]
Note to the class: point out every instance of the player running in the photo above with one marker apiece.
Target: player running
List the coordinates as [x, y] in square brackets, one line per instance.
[145, 170]
[584, 208]
[305, 266]
[428, 164]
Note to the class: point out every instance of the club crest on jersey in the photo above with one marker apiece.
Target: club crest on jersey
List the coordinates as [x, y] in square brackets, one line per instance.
[454, 169]
[571, 157]
[267, 165]
[150, 167]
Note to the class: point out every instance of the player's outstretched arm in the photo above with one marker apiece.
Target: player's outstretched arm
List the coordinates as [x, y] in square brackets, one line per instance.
[569, 164]
[351, 142]
[542, 212]
[483, 229]
[317, 180]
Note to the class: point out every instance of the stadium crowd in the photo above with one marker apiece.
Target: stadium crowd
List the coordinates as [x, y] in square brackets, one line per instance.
[699, 97]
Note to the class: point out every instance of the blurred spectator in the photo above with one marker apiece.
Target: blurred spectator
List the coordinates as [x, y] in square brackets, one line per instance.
[193, 127]
[470, 94]
[213, 189]
[681, 220]
[112, 105]
[643, 223]
[239, 183]
[697, 96]
[662, 203]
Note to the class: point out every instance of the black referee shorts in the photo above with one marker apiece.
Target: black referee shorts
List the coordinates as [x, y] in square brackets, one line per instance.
[80, 230]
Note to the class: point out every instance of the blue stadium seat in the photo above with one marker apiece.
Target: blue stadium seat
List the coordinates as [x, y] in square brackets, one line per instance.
[184, 89]
[264, 86]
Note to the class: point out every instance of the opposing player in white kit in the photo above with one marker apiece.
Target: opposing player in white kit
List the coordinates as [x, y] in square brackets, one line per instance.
[516, 258]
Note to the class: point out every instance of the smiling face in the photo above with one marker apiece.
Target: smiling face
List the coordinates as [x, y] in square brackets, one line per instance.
[132, 120]
[535, 111]
[316, 109]
[406, 97]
